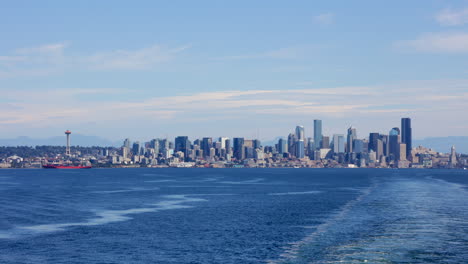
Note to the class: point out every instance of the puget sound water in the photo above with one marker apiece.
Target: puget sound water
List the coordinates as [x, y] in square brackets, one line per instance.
[233, 216]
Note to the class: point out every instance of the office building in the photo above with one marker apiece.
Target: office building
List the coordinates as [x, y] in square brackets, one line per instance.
[350, 139]
[318, 133]
[338, 143]
[238, 148]
[406, 135]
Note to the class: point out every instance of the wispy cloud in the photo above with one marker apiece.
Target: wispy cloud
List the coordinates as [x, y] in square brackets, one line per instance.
[133, 59]
[52, 58]
[450, 17]
[281, 54]
[453, 42]
[325, 19]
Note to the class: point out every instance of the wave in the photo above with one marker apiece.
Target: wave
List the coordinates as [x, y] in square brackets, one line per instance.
[159, 181]
[253, 181]
[137, 189]
[296, 193]
[104, 217]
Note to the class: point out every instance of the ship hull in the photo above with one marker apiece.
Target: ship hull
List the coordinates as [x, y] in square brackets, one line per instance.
[65, 167]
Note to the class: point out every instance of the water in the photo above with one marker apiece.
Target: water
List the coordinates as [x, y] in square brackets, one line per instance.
[233, 216]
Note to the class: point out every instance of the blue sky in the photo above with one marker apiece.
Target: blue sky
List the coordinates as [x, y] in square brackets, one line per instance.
[211, 68]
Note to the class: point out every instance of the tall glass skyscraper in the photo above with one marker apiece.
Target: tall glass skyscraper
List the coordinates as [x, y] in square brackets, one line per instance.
[239, 148]
[406, 135]
[318, 133]
[350, 138]
[300, 133]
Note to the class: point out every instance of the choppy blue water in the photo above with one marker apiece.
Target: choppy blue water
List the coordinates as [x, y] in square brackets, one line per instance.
[233, 216]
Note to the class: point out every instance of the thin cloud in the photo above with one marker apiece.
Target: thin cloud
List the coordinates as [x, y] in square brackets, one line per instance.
[280, 54]
[325, 19]
[32, 109]
[53, 58]
[453, 42]
[450, 17]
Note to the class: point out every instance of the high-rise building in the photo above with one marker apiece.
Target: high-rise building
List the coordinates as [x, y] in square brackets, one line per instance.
[406, 134]
[300, 135]
[206, 144]
[239, 148]
[127, 143]
[182, 144]
[300, 148]
[350, 139]
[318, 133]
[257, 144]
[223, 141]
[338, 143]
[136, 148]
[282, 146]
[373, 137]
[325, 142]
[453, 157]
[394, 143]
[292, 144]
[358, 146]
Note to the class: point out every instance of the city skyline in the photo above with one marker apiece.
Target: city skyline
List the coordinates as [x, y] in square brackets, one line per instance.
[147, 70]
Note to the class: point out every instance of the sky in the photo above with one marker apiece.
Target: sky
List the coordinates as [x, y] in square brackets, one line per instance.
[149, 69]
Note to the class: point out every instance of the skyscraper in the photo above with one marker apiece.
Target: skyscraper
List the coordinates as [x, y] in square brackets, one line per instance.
[300, 135]
[394, 143]
[406, 135]
[282, 146]
[453, 157]
[292, 144]
[206, 145]
[239, 148]
[338, 143]
[318, 133]
[300, 148]
[182, 144]
[373, 137]
[325, 142]
[350, 139]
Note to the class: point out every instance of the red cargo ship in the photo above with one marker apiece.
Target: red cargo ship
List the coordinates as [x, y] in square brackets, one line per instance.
[58, 166]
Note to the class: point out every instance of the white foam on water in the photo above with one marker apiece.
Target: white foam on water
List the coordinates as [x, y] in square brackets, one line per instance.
[291, 251]
[156, 174]
[104, 217]
[253, 181]
[296, 193]
[198, 186]
[156, 181]
[136, 189]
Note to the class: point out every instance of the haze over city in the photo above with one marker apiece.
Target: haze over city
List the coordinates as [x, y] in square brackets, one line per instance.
[233, 69]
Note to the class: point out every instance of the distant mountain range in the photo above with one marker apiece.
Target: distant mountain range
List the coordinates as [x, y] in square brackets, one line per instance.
[441, 144]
